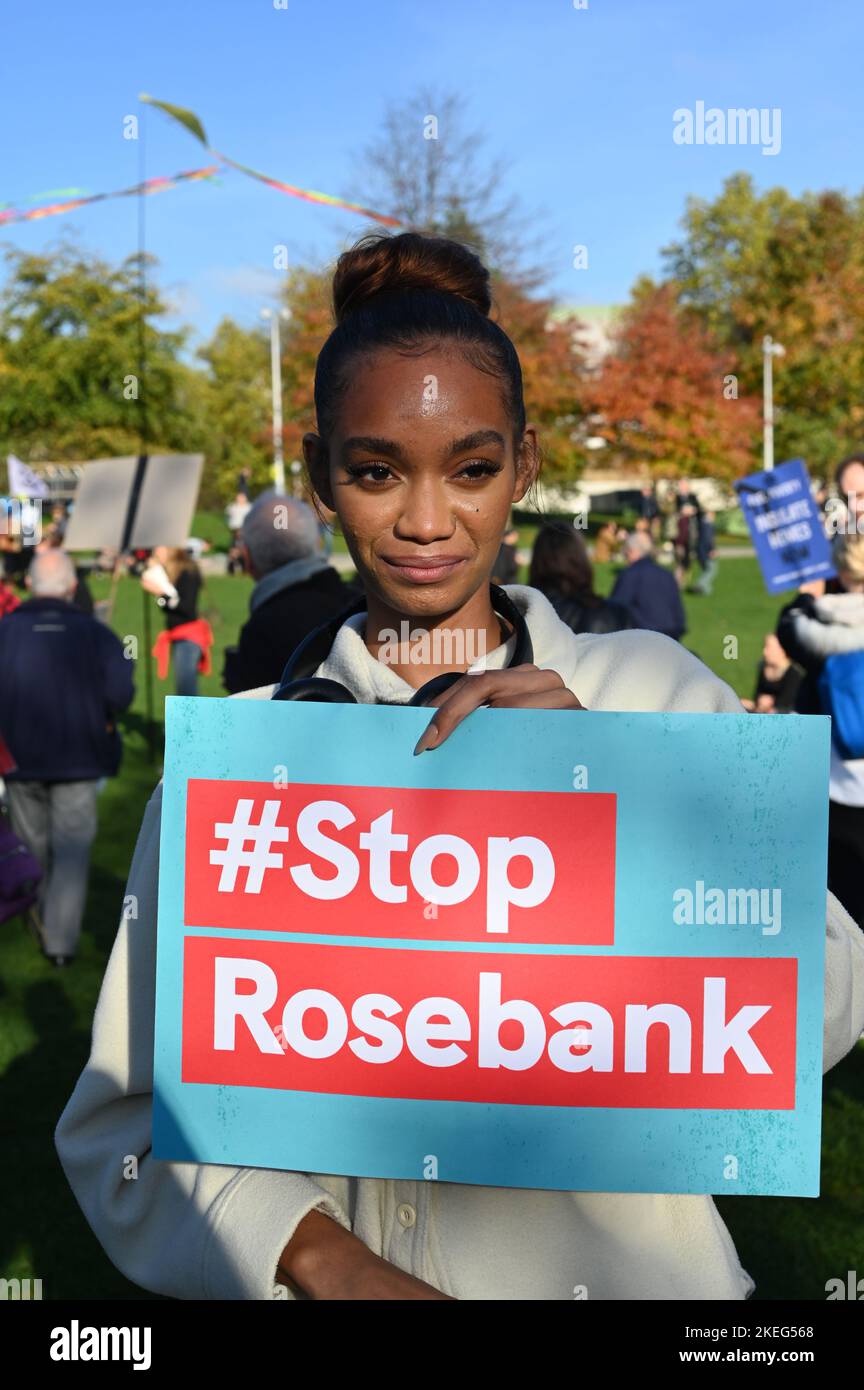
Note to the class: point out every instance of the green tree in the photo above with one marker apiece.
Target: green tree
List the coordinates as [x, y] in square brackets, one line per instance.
[72, 343]
[237, 390]
[234, 410]
[750, 264]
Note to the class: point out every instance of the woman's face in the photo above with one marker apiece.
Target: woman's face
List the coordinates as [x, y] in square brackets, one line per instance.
[420, 469]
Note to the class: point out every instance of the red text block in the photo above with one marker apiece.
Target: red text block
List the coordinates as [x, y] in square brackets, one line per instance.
[402, 863]
[491, 1026]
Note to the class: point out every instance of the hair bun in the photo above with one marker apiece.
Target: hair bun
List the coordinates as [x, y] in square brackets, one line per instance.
[381, 264]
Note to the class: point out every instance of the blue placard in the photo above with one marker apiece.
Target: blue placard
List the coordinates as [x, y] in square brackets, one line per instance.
[720, 831]
[791, 545]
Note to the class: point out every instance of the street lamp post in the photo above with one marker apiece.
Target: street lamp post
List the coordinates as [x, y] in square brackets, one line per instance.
[276, 386]
[770, 350]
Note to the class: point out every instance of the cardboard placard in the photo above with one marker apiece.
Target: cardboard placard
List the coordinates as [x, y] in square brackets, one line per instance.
[570, 951]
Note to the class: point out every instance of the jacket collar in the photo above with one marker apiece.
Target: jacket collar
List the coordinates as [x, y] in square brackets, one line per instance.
[50, 601]
[371, 681]
[294, 572]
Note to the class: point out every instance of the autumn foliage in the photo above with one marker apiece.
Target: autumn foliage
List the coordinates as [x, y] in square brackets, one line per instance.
[668, 399]
[551, 373]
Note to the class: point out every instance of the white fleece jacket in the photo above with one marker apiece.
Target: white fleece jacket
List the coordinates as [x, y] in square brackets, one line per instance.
[837, 627]
[215, 1232]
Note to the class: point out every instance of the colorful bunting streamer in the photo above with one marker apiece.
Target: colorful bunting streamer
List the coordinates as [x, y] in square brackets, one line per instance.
[51, 193]
[188, 119]
[191, 122]
[158, 185]
[309, 194]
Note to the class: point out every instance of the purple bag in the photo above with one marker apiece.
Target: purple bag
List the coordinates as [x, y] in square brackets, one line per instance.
[20, 873]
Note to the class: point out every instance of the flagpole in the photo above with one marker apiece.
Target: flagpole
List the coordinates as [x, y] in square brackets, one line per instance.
[143, 423]
[140, 396]
[143, 419]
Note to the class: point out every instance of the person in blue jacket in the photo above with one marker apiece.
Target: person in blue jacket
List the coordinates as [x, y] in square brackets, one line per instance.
[649, 593]
[64, 678]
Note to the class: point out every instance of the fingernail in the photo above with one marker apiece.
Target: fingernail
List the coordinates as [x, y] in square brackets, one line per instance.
[427, 739]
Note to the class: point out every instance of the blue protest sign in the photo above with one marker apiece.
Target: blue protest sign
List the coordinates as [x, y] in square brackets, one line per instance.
[580, 952]
[791, 545]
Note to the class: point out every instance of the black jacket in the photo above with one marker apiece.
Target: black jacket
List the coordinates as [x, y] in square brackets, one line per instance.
[188, 586]
[807, 699]
[63, 679]
[279, 625]
[603, 616]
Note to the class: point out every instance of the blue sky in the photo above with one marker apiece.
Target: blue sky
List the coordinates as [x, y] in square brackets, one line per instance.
[579, 102]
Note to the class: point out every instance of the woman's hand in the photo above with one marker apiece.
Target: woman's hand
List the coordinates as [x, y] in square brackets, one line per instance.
[516, 687]
[371, 1278]
[326, 1262]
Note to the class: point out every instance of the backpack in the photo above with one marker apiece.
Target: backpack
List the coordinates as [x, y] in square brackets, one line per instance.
[841, 694]
[19, 874]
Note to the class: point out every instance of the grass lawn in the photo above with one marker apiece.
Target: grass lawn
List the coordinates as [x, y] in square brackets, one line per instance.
[790, 1246]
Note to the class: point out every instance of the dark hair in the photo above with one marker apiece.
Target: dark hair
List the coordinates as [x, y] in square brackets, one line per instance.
[400, 292]
[841, 468]
[560, 564]
[179, 562]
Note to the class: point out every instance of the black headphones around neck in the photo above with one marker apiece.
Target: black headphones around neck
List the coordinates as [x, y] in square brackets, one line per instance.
[298, 682]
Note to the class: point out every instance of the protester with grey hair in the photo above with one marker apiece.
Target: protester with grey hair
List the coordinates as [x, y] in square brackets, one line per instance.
[64, 678]
[649, 593]
[296, 590]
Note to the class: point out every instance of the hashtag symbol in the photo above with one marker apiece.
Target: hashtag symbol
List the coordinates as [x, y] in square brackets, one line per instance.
[236, 856]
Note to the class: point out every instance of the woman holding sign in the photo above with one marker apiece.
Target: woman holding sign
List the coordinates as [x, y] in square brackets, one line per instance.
[422, 449]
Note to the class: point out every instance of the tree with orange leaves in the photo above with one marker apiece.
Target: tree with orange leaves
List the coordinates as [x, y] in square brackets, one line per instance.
[667, 398]
[307, 296]
[552, 372]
